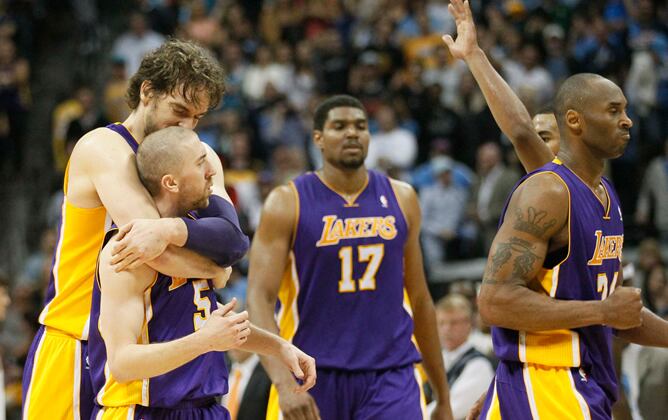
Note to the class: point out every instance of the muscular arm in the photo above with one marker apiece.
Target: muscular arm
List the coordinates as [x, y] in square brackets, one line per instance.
[652, 332]
[509, 112]
[103, 163]
[268, 260]
[517, 255]
[121, 323]
[418, 294]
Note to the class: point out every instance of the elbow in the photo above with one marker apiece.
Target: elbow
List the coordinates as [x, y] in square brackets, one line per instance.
[236, 249]
[489, 306]
[119, 373]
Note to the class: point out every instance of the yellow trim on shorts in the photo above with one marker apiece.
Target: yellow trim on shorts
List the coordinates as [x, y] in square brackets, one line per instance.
[273, 409]
[554, 395]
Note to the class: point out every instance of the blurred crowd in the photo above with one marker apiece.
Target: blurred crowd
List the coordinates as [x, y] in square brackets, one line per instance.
[429, 122]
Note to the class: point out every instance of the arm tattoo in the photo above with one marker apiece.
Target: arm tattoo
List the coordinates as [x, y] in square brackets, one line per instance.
[500, 258]
[522, 263]
[533, 223]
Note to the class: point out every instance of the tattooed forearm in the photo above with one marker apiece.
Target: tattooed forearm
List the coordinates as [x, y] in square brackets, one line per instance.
[522, 264]
[534, 222]
[500, 258]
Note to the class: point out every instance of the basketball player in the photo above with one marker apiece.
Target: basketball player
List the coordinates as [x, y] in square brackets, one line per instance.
[175, 85]
[158, 349]
[545, 124]
[339, 249]
[551, 282]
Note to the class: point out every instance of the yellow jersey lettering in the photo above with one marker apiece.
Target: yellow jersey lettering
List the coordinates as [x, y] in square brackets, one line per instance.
[607, 248]
[177, 282]
[335, 229]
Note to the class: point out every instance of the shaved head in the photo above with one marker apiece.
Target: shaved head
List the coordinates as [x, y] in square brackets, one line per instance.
[160, 154]
[575, 93]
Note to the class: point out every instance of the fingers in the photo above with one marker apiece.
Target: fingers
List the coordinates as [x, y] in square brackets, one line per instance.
[238, 318]
[456, 7]
[125, 264]
[448, 40]
[309, 377]
[243, 331]
[138, 262]
[123, 230]
[226, 308]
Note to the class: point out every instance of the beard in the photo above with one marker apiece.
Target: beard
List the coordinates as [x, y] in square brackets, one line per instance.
[150, 126]
[351, 162]
[187, 204]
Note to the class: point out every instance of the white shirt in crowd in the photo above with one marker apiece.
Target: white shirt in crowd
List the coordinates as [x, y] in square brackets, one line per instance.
[471, 383]
[398, 147]
[241, 373]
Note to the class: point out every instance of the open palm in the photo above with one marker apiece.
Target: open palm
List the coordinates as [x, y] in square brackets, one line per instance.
[467, 41]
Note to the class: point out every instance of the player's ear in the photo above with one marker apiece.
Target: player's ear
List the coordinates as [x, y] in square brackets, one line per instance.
[169, 183]
[574, 121]
[145, 92]
[317, 138]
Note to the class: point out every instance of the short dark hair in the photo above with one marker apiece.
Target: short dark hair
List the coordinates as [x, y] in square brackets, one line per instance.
[548, 108]
[574, 93]
[337, 101]
[180, 65]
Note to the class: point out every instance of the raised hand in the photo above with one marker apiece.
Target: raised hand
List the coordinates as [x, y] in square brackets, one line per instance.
[623, 308]
[467, 41]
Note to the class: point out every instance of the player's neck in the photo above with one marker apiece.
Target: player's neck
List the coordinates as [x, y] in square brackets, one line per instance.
[166, 207]
[347, 181]
[135, 125]
[589, 170]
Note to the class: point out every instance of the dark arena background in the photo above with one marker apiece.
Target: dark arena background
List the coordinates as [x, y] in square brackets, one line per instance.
[65, 65]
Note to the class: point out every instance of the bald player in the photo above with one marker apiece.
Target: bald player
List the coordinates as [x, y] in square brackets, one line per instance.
[552, 285]
[174, 86]
[156, 341]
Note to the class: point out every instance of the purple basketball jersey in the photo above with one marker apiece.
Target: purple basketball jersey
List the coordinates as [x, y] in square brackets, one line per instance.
[342, 298]
[174, 308]
[589, 271]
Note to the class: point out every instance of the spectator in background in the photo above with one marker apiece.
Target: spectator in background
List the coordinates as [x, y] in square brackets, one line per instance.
[235, 66]
[495, 183]
[447, 73]
[443, 206]
[67, 111]
[528, 78]
[263, 72]
[136, 42]
[556, 61]
[653, 197]
[203, 26]
[655, 290]
[303, 83]
[115, 107]
[653, 383]
[469, 371]
[90, 117]
[391, 146]
[331, 63]
[249, 387]
[14, 102]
